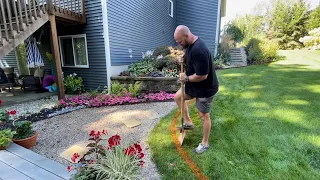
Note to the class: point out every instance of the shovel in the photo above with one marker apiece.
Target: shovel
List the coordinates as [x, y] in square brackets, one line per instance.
[182, 130]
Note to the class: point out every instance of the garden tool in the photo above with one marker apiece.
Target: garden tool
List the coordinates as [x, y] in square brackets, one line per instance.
[182, 130]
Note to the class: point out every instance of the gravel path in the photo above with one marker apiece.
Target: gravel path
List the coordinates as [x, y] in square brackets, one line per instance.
[61, 132]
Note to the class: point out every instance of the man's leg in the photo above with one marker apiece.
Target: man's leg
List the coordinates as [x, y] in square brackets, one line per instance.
[206, 123]
[204, 107]
[177, 99]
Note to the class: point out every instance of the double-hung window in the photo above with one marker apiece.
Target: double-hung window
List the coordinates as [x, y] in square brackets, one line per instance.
[170, 8]
[73, 51]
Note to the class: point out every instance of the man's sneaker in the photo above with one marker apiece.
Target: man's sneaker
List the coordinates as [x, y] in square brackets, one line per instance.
[201, 148]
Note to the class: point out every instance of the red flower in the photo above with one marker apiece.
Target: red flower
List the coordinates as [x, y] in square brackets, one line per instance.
[141, 163]
[91, 161]
[141, 155]
[130, 151]
[92, 133]
[105, 132]
[69, 168]
[74, 157]
[114, 140]
[12, 112]
[138, 147]
[0, 102]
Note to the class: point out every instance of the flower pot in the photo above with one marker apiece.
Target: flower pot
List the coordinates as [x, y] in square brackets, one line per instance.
[28, 142]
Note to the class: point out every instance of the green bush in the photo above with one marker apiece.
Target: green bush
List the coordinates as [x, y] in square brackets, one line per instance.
[141, 68]
[5, 137]
[135, 89]
[73, 84]
[269, 49]
[118, 89]
[23, 130]
[255, 54]
[162, 50]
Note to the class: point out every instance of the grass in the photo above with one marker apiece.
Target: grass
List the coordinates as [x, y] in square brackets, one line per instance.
[265, 125]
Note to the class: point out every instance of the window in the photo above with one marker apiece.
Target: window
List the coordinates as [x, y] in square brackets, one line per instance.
[73, 51]
[170, 8]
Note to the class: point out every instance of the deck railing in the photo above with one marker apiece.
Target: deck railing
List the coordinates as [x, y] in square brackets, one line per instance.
[16, 15]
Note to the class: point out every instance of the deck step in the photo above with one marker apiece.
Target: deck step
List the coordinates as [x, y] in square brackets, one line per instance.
[30, 165]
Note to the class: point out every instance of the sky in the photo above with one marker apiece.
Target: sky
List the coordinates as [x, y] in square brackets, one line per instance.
[241, 7]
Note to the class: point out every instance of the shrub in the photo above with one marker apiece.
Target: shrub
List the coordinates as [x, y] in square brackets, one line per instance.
[255, 54]
[73, 84]
[108, 161]
[135, 89]
[269, 49]
[313, 40]
[23, 129]
[161, 51]
[141, 68]
[118, 89]
[5, 137]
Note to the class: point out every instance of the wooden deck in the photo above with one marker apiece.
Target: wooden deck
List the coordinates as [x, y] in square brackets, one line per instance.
[18, 163]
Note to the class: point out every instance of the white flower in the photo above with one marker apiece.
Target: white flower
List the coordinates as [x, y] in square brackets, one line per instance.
[160, 57]
[75, 74]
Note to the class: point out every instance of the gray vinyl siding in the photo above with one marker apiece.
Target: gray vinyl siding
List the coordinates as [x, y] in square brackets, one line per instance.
[139, 25]
[201, 18]
[96, 74]
[10, 61]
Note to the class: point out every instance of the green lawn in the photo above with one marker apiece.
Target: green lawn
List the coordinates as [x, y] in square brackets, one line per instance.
[266, 125]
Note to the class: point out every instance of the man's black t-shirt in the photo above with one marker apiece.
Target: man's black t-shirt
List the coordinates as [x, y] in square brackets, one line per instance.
[199, 61]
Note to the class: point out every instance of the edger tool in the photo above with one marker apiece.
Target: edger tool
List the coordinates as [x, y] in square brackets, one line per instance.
[182, 130]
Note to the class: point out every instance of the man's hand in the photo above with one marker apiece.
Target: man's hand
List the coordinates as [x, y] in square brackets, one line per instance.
[183, 77]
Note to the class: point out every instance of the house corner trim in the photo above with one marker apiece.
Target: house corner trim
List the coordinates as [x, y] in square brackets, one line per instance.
[217, 29]
[106, 41]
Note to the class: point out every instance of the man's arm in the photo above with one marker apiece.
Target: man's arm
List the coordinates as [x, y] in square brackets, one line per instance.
[197, 78]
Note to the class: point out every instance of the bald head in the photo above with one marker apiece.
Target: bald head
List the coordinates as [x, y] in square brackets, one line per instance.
[181, 30]
[183, 36]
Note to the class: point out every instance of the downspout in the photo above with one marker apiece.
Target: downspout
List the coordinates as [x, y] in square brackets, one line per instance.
[217, 29]
[106, 41]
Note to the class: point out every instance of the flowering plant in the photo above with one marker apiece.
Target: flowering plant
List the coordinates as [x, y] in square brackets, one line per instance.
[73, 84]
[108, 161]
[108, 100]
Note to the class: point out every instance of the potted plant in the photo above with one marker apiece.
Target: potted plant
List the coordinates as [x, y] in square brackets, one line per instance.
[24, 135]
[5, 138]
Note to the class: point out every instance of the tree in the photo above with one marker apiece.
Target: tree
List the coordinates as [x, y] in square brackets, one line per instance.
[235, 32]
[287, 22]
[314, 19]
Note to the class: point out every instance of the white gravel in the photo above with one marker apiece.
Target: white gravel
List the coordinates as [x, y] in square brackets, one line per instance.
[28, 108]
[61, 132]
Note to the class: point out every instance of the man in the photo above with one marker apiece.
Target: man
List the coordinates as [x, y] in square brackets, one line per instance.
[200, 81]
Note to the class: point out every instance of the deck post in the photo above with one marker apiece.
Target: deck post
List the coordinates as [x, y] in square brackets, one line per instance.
[56, 55]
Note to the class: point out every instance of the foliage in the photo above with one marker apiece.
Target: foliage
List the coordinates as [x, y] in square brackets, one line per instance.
[170, 72]
[4, 116]
[118, 89]
[5, 137]
[73, 84]
[218, 62]
[153, 63]
[108, 161]
[142, 67]
[135, 89]
[108, 100]
[235, 32]
[269, 49]
[287, 22]
[161, 51]
[255, 54]
[314, 19]
[23, 129]
[248, 26]
[313, 40]
[22, 59]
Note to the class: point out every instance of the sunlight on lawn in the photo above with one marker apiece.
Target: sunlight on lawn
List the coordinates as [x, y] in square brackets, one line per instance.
[296, 102]
[249, 95]
[292, 116]
[314, 88]
[315, 140]
[234, 75]
[259, 105]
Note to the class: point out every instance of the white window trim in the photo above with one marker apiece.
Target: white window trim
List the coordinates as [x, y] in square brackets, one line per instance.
[171, 13]
[74, 55]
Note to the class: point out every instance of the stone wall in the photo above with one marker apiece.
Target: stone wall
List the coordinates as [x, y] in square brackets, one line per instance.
[150, 84]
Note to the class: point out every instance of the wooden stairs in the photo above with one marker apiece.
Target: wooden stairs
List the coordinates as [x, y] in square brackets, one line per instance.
[21, 18]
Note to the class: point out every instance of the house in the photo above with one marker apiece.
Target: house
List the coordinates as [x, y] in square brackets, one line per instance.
[115, 33]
